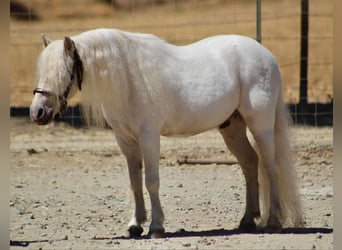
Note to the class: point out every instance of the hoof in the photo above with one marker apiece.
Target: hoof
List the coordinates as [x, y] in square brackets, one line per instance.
[247, 226]
[135, 231]
[273, 226]
[156, 234]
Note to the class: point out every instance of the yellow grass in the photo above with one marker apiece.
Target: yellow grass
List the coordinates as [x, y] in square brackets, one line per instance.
[182, 22]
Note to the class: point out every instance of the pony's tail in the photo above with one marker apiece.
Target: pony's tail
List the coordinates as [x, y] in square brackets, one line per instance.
[290, 202]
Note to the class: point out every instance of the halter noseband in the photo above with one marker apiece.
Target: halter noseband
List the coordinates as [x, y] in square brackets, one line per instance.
[61, 99]
[77, 71]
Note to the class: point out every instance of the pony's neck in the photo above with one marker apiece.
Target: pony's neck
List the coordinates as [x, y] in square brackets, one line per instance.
[122, 73]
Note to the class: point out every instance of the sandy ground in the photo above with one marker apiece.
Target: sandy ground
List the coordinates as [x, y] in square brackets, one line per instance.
[69, 190]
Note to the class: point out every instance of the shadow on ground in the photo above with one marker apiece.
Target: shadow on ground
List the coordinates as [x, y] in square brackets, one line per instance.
[184, 234]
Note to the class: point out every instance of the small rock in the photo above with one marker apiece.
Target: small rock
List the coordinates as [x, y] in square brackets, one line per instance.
[32, 151]
[181, 230]
[186, 244]
[54, 182]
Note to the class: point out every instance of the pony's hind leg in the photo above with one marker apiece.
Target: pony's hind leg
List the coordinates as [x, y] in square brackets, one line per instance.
[266, 146]
[235, 137]
[132, 152]
[261, 126]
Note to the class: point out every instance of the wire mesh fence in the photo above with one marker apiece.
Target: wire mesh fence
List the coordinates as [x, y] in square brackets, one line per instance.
[182, 22]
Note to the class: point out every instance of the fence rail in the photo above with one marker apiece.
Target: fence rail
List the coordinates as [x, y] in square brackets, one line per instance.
[315, 114]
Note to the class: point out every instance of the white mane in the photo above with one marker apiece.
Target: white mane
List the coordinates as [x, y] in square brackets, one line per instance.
[120, 70]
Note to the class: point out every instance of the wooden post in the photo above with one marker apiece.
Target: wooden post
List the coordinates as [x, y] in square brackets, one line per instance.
[187, 160]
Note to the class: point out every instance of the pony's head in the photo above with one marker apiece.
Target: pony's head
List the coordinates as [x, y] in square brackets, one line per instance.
[60, 72]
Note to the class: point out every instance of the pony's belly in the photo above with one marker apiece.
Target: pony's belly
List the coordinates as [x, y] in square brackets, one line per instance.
[193, 124]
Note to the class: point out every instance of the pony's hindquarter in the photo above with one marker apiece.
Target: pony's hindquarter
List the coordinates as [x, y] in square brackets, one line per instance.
[270, 176]
[269, 173]
[289, 198]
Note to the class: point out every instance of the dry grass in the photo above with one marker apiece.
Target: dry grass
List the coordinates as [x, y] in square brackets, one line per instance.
[183, 22]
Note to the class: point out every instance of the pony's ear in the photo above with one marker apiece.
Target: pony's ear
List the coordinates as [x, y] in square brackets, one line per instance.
[71, 51]
[46, 41]
[69, 46]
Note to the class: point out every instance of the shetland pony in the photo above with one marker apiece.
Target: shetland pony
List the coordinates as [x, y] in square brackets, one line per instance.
[144, 87]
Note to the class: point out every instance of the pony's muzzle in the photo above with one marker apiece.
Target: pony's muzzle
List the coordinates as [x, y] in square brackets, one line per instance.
[41, 115]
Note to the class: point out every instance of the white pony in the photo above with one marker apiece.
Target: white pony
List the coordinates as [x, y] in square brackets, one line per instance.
[144, 87]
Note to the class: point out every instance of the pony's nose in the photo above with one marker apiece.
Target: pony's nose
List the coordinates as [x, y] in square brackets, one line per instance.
[41, 113]
[37, 114]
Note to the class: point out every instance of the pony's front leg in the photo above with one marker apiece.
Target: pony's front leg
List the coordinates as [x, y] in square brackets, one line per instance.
[132, 152]
[150, 144]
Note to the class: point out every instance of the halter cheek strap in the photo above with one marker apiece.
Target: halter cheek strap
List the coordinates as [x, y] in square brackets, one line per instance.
[77, 72]
[77, 69]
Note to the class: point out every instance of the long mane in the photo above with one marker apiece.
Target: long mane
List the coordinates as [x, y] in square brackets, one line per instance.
[121, 71]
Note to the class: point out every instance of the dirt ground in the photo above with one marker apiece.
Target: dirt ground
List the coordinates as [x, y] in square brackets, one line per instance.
[69, 190]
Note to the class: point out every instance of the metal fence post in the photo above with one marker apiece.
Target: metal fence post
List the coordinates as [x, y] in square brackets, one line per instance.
[303, 95]
[258, 20]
